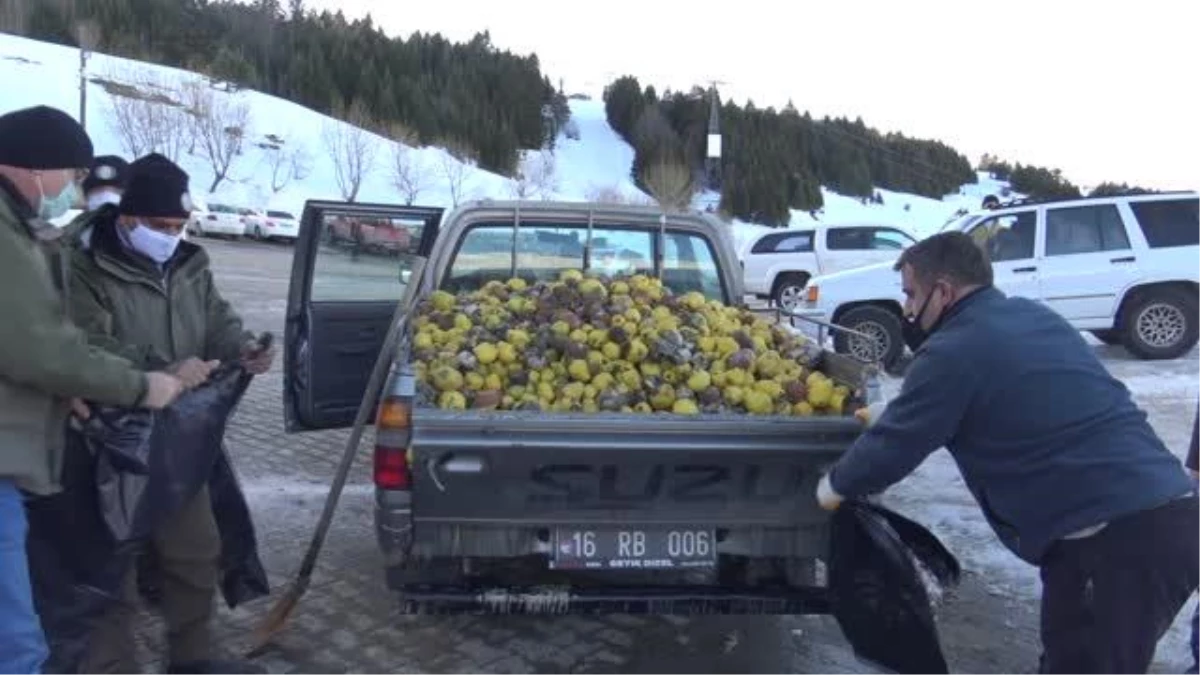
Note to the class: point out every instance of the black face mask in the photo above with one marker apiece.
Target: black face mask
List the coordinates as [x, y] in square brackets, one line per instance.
[914, 335]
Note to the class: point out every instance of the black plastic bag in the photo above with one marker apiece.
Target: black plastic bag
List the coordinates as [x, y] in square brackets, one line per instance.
[126, 473]
[877, 593]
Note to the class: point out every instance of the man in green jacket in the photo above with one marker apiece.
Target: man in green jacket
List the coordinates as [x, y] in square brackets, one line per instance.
[141, 292]
[44, 360]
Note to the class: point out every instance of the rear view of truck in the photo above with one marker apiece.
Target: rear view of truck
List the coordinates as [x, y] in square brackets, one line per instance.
[556, 437]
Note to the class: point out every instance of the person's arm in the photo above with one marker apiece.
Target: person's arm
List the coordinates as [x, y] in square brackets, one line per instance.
[40, 348]
[225, 336]
[922, 418]
[89, 311]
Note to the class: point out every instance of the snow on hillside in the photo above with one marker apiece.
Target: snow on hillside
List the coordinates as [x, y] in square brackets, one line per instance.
[594, 166]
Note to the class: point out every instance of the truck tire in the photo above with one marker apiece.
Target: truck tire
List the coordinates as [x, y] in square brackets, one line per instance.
[1109, 336]
[876, 321]
[788, 293]
[1159, 324]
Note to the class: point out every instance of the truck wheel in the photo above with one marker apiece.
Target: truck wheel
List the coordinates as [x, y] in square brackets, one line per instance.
[1159, 324]
[1108, 337]
[881, 324]
[789, 289]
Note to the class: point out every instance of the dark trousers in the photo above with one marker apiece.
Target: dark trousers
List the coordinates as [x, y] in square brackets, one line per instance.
[188, 550]
[1107, 599]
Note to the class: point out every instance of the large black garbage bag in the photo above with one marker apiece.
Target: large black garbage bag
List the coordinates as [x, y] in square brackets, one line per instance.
[242, 575]
[126, 473]
[877, 594]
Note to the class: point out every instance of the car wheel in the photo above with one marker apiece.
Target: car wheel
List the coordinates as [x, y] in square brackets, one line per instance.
[887, 343]
[1108, 337]
[1159, 324]
[789, 291]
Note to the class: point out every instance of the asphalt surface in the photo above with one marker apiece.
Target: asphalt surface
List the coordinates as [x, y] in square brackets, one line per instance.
[347, 620]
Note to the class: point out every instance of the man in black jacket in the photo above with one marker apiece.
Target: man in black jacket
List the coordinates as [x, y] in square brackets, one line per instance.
[1066, 468]
[1193, 467]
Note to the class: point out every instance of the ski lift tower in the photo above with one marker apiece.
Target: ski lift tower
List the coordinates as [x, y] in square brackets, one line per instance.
[712, 156]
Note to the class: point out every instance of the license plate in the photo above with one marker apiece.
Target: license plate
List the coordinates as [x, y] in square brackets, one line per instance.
[633, 548]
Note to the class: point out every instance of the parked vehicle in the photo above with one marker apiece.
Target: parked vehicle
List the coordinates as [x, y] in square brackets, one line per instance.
[478, 510]
[1123, 268]
[777, 265]
[274, 225]
[218, 219]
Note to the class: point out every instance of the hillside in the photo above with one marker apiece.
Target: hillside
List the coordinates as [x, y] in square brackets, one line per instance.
[592, 162]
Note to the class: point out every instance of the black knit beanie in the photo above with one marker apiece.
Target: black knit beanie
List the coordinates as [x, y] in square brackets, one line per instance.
[157, 188]
[107, 171]
[43, 138]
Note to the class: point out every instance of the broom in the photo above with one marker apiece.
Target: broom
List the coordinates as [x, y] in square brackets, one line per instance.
[282, 610]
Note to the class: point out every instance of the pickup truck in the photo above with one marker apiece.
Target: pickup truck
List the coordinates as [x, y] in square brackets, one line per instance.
[555, 512]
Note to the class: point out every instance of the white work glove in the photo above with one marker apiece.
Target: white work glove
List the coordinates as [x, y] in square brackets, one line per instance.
[826, 497]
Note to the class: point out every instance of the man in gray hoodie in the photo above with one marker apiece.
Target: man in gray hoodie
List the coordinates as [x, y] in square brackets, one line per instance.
[1066, 468]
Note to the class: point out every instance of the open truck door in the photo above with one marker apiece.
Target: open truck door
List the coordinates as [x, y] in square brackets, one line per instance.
[351, 265]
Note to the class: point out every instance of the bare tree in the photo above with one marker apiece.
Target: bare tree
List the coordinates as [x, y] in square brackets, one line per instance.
[287, 164]
[219, 125]
[408, 172]
[148, 117]
[351, 147]
[456, 164]
[611, 194]
[672, 184]
[537, 176]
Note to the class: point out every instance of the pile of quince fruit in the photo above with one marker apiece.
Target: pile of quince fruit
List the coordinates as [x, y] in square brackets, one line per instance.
[626, 344]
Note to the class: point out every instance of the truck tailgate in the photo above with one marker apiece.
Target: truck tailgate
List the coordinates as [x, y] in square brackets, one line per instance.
[538, 469]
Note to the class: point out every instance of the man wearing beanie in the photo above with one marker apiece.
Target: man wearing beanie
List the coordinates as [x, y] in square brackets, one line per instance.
[44, 360]
[138, 290]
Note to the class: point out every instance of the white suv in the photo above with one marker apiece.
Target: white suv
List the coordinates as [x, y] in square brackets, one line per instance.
[777, 265]
[1123, 268]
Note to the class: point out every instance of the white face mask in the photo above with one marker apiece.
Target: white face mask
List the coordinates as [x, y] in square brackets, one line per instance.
[101, 196]
[154, 245]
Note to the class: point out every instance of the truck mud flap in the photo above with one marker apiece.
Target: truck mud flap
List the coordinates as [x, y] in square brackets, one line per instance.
[678, 599]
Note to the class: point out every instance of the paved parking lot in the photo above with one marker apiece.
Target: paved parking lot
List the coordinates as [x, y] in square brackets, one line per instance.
[346, 622]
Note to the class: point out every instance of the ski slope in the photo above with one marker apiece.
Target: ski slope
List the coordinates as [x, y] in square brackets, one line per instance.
[598, 163]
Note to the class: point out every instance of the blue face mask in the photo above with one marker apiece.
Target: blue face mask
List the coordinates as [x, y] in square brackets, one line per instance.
[50, 208]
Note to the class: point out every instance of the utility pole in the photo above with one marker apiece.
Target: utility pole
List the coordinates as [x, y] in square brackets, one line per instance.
[712, 159]
[87, 34]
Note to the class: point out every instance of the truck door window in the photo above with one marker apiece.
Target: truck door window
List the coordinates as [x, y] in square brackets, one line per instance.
[849, 238]
[885, 239]
[689, 265]
[786, 242]
[1085, 229]
[363, 258]
[1007, 237]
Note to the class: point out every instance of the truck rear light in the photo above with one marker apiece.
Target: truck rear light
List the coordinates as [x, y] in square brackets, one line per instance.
[391, 468]
[392, 433]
